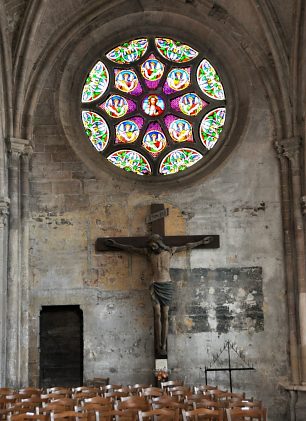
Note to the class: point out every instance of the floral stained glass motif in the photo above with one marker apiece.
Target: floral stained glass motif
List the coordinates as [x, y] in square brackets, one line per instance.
[127, 131]
[175, 50]
[96, 129]
[96, 83]
[130, 161]
[153, 105]
[126, 80]
[129, 52]
[209, 81]
[179, 160]
[177, 80]
[212, 126]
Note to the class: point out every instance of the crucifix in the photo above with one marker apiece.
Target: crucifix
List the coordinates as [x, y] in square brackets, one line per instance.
[159, 250]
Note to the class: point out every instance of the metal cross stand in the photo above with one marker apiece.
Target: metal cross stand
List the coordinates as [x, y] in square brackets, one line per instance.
[229, 347]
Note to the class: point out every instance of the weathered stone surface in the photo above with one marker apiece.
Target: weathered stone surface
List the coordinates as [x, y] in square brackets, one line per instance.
[220, 300]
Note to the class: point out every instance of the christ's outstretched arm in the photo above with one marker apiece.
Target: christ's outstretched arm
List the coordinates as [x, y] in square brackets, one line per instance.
[125, 247]
[189, 246]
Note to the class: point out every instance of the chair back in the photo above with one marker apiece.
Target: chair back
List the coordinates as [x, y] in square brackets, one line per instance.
[203, 414]
[240, 414]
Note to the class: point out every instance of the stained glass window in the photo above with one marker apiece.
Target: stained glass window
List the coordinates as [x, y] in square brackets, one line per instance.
[154, 106]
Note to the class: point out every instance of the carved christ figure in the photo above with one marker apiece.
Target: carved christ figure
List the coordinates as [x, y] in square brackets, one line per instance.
[161, 288]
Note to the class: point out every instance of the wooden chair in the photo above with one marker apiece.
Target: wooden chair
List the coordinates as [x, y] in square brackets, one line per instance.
[69, 402]
[116, 395]
[244, 404]
[151, 392]
[114, 414]
[28, 417]
[55, 408]
[99, 400]
[38, 400]
[209, 404]
[203, 388]
[23, 407]
[203, 413]
[91, 408]
[136, 389]
[171, 383]
[87, 389]
[68, 415]
[112, 387]
[130, 402]
[30, 391]
[239, 414]
[162, 414]
[53, 396]
[61, 390]
[5, 407]
[80, 396]
[131, 407]
[4, 391]
[180, 394]
[178, 406]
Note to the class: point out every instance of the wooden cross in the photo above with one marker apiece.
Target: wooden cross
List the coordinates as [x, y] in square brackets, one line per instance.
[157, 221]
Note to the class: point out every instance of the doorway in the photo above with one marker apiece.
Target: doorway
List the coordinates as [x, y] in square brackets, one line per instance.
[61, 346]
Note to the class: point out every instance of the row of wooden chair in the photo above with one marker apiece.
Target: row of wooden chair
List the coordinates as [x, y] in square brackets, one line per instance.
[180, 399]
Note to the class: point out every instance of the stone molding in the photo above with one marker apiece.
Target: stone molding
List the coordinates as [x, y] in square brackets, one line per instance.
[4, 211]
[303, 204]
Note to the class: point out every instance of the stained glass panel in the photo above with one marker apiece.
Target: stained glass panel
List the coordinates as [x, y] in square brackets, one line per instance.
[209, 81]
[177, 80]
[153, 105]
[175, 50]
[129, 52]
[154, 140]
[155, 89]
[96, 83]
[127, 131]
[211, 127]
[179, 160]
[130, 161]
[126, 80]
[180, 130]
[117, 106]
[190, 104]
[96, 129]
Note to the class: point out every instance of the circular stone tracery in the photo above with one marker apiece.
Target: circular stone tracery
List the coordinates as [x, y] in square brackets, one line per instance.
[164, 134]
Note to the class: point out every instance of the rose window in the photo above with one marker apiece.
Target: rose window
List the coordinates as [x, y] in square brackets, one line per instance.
[153, 106]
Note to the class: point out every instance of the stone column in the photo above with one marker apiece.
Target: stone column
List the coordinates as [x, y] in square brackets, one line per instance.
[24, 279]
[289, 265]
[14, 290]
[291, 149]
[4, 211]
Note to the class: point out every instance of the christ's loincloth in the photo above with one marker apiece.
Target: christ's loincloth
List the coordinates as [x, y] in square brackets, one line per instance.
[162, 292]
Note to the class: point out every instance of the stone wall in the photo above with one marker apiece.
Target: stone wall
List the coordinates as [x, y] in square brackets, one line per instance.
[236, 291]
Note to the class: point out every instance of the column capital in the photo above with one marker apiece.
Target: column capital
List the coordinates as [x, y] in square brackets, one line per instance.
[303, 204]
[19, 146]
[4, 210]
[290, 148]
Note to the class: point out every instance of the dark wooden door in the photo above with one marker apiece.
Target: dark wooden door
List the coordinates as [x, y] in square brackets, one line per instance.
[61, 346]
